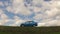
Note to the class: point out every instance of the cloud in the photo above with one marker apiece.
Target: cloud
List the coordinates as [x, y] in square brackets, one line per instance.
[2, 21]
[53, 12]
[1, 3]
[18, 21]
[49, 23]
[50, 16]
[1, 11]
[47, 15]
[2, 15]
[18, 7]
[53, 23]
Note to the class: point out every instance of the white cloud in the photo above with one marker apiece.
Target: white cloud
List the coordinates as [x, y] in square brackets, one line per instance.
[1, 11]
[2, 22]
[49, 23]
[18, 21]
[53, 12]
[9, 8]
[41, 24]
[2, 15]
[37, 1]
[18, 7]
[58, 17]
[47, 16]
[37, 9]
[38, 16]
[53, 23]
[1, 4]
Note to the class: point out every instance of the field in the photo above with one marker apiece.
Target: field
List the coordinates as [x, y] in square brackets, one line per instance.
[29, 30]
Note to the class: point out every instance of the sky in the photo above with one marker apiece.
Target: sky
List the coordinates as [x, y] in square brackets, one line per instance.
[15, 12]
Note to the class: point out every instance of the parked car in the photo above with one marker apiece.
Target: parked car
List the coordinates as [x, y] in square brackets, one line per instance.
[28, 23]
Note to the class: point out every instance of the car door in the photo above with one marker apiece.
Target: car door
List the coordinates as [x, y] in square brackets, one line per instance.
[27, 24]
[30, 23]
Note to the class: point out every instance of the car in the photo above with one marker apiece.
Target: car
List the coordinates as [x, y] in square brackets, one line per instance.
[28, 23]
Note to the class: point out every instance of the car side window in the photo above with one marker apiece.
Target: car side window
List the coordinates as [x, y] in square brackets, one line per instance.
[26, 22]
[30, 22]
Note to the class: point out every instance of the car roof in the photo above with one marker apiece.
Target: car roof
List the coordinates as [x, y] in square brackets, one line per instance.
[30, 21]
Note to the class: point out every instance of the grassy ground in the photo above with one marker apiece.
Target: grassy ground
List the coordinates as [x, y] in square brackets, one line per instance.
[29, 30]
[28, 33]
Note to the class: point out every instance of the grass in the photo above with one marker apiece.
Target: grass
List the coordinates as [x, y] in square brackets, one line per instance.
[28, 33]
[29, 30]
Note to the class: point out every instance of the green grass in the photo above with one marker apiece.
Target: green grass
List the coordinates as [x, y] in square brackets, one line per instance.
[28, 33]
[6, 33]
[29, 30]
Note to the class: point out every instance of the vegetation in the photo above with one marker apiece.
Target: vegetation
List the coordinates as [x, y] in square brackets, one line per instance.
[29, 30]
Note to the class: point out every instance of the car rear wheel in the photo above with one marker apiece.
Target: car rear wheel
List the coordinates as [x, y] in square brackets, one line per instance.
[22, 25]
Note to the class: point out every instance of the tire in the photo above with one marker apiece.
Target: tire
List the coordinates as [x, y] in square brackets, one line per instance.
[22, 25]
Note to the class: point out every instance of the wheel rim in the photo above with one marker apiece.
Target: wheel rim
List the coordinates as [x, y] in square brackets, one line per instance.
[22, 25]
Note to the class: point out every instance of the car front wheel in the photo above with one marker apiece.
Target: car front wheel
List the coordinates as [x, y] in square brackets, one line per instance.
[33, 25]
